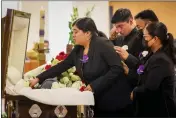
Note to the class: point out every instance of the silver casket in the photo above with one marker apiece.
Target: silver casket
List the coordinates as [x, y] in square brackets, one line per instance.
[24, 102]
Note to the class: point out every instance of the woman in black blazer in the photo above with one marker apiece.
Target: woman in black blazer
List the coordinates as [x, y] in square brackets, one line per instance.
[154, 96]
[101, 69]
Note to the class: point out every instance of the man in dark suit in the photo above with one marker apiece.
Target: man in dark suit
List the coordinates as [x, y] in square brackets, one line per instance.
[130, 37]
[142, 19]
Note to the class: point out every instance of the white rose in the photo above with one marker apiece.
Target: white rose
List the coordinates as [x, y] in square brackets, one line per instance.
[144, 53]
[65, 80]
[75, 78]
[26, 83]
[72, 70]
[77, 84]
[56, 85]
[125, 47]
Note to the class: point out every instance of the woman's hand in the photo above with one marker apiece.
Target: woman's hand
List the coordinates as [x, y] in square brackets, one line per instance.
[88, 88]
[33, 82]
[131, 96]
[125, 68]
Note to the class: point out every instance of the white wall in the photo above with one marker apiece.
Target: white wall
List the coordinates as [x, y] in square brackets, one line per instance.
[10, 5]
[34, 8]
[58, 14]
[58, 31]
[100, 14]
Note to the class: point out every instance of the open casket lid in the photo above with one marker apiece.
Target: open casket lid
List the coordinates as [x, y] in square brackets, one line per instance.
[15, 29]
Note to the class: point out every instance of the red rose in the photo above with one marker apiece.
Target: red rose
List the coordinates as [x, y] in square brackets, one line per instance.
[62, 53]
[83, 82]
[82, 88]
[47, 67]
[63, 57]
[59, 57]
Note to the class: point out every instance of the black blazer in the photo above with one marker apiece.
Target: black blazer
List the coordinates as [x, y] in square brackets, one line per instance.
[101, 71]
[133, 41]
[135, 47]
[155, 94]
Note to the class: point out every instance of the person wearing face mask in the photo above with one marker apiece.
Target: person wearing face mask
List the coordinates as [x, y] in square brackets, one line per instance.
[96, 63]
[155, 94]
[142, 19]
[145, 17]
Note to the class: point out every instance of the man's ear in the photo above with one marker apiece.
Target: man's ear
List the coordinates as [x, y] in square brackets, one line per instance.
[131, 21]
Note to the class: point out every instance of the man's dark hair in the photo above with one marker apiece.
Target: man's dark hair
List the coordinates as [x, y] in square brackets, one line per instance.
[147, 15]
[121, 15]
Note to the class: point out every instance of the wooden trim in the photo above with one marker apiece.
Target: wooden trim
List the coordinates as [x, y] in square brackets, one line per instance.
[5, 47]
[110, 16]
[6, 40]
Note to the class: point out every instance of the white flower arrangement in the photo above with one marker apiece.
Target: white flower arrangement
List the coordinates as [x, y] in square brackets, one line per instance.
[67, 78]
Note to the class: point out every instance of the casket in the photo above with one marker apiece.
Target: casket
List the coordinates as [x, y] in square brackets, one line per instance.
[24, 102]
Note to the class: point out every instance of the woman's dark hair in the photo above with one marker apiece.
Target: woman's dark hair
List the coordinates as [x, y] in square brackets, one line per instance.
[160, 30]
[87, 24]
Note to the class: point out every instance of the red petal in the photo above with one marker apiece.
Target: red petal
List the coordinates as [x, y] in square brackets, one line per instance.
[62, 57]
[47, 67]
[59, 58]
[62, 53]
[83, 82]
[82, 88]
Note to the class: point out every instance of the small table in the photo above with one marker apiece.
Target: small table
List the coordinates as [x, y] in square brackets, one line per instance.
[30, 65]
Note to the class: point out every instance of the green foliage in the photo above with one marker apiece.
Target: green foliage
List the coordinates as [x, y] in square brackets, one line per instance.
[88, 13]
[74, 17]
[4, 115]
